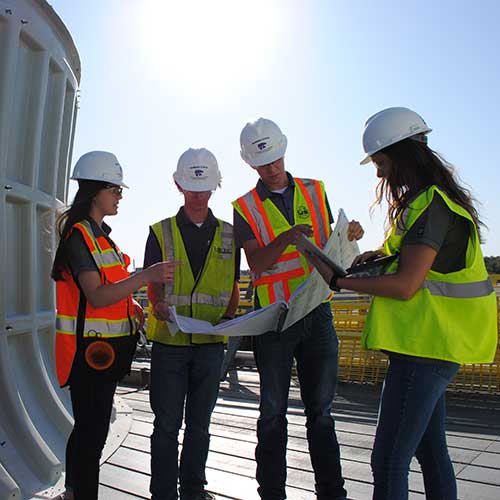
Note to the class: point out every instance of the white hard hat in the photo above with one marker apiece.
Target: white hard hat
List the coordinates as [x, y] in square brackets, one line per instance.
[389, 126]
[262, 142]
[197, 170]
[99, 166]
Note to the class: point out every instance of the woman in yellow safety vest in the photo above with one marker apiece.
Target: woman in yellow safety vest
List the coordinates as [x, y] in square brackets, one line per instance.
[434, 307]
[97, 319]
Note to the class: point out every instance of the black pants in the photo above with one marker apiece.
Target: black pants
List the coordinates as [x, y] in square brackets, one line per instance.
[92, 401]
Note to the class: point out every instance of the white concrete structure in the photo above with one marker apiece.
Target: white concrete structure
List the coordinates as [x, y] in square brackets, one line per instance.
[39, 78]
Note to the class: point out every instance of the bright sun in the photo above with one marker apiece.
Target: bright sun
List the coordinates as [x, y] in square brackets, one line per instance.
[202, 47]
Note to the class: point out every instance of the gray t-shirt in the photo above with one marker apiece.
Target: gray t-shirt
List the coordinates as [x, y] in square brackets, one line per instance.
[443, 230]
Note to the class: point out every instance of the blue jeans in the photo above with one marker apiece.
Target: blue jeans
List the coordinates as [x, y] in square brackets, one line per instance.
[412, 423]
[314, 344]
[182, 375]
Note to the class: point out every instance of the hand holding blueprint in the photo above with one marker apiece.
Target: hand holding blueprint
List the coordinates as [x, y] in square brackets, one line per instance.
[339, 248]
[305, 298]
[314, 290]
[252, 323]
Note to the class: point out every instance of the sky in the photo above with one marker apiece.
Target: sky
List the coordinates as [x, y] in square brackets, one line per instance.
[160, 76]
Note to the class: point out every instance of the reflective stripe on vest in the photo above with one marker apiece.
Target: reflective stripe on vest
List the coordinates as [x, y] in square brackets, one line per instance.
[452, 316]
[185, 300]
[459, 290]
[199, 298]
[267, 222]
[321, 229]
[203, 297]
[100, 328]
[168, 245]
[111, 321]
[102, 252]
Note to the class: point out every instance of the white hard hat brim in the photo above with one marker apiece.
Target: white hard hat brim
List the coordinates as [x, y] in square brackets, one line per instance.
[120, 183]
[365, 160]
[196, 187]
[268, 156]
[368, 158]
[116, 183]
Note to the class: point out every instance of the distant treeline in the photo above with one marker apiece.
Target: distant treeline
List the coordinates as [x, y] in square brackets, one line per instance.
[493, 264]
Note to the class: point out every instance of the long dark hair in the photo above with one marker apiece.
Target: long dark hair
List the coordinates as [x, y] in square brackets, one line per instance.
[415, 166]
[79, 210]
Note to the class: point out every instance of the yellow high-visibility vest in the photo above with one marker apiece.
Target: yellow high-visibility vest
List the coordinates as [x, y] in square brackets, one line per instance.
[267, 222]
[204, 297]
[453, 316]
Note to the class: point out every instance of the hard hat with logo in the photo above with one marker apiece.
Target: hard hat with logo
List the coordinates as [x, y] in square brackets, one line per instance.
[262, 142]
[197, 170]
[99, 166]
[389, 126]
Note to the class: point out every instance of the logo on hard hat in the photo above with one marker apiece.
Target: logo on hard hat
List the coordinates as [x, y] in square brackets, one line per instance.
[198, 170]
[262, 143]
[303, 212]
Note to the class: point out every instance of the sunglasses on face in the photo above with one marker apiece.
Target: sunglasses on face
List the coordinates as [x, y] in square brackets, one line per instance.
[116, 190]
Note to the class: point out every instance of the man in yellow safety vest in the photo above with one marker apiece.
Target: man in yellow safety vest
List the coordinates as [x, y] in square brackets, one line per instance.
[268, 222]
[185, 368]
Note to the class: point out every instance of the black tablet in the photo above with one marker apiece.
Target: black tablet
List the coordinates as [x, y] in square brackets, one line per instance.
[373, 267]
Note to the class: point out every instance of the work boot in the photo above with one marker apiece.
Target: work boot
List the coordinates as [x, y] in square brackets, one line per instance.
[202, 495]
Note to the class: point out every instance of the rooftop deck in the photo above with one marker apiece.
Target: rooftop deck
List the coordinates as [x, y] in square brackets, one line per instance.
[473, 436]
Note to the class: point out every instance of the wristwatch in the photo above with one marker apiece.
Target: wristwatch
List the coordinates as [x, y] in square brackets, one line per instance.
[333, 283]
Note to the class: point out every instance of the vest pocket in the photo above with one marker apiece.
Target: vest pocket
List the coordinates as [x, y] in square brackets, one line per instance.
[107, 358]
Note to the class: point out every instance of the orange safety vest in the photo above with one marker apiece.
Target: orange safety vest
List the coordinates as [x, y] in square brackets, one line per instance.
[267, 222]
[107, 322]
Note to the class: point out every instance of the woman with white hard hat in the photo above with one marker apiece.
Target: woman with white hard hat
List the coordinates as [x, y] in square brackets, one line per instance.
[434, 307]
[97, 319]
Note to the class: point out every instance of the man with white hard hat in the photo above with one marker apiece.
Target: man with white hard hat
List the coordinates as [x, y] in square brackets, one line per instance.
[268, 222]
[185, 368]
